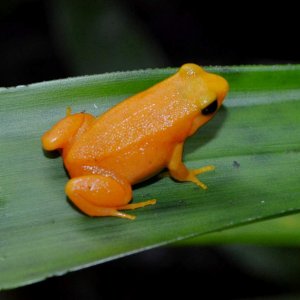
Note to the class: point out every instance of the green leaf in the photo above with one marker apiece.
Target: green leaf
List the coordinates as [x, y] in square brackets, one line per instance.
[253, 141]
[284, 231]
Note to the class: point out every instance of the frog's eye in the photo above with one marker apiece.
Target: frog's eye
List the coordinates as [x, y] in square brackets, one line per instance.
[210, 109]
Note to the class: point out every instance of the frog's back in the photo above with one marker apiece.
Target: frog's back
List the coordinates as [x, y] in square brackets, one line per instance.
[148, 117]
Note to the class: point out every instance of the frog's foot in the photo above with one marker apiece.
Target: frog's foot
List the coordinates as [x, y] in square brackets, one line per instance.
[192, 175]
[137, 205]
[184, 174]
[100, 195]
[180, 172]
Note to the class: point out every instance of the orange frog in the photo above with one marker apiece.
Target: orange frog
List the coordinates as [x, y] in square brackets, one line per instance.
[135, 140]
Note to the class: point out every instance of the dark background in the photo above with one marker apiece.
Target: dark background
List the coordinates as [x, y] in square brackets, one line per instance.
[44, 40]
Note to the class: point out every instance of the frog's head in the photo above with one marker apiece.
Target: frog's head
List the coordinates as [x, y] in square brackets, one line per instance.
[206, 89]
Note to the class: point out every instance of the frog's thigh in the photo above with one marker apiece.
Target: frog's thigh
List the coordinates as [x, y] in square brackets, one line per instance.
[180, 172]
[61, 132]
[100, 195]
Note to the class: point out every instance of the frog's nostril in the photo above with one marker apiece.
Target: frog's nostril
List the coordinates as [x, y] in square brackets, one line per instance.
[210, 109]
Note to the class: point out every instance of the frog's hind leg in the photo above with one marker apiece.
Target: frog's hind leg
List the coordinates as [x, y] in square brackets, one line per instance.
[64, 130]
[180, 172]
[100, 195]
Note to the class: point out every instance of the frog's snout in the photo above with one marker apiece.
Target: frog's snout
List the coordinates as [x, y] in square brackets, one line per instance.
[221, 88]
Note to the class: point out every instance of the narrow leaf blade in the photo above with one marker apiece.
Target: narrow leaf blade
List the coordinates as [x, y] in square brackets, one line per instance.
[253, 141]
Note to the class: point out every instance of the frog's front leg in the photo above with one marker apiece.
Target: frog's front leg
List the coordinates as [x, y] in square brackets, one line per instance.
[102, 195]
[180, 172]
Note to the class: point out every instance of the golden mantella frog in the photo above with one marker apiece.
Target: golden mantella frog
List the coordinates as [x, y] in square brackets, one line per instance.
[135, 140]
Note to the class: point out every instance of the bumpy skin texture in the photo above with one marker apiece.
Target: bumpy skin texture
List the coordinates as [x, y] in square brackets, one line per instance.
[135, 140]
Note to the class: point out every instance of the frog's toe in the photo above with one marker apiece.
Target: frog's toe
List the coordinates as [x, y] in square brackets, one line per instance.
[138, 204]
[202, 170]
[192, 175]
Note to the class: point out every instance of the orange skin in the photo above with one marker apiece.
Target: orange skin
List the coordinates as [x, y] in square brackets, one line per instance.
[135, 140]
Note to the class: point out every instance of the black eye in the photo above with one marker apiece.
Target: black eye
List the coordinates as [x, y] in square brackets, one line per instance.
[210, 109]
